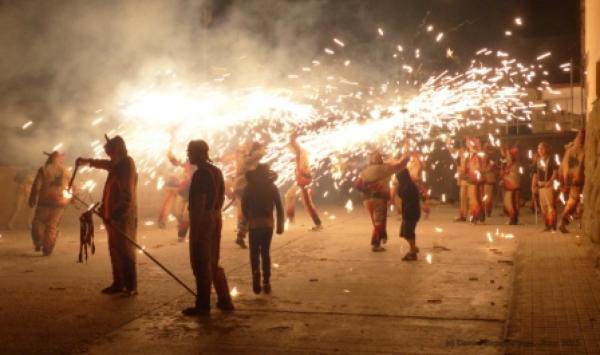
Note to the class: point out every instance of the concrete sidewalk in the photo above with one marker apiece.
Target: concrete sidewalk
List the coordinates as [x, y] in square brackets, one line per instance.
[556, 303]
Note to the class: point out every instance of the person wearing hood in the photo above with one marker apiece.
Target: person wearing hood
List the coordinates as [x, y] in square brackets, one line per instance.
[260, 197]
[303, 180]
[247, 158]
[573, 177]
[48, 196]
[119, 212]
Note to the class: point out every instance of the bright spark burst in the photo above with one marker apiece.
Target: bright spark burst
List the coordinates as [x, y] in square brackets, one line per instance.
[337, 115]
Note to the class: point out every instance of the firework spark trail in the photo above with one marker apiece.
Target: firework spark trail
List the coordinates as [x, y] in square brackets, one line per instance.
[335, 115]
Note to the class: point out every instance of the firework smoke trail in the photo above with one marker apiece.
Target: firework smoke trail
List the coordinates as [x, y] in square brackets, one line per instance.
[336, 117]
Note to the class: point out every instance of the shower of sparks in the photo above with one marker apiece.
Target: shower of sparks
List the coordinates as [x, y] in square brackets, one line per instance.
[338, 117]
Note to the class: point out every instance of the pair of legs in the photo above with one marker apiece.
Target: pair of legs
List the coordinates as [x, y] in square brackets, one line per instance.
[407, 231]
[205, 247]
[290, 203]
[44, 229]
[548, 206]
[511, 205]
[122, 254]
[260, 254]
[169, 197]
[242, 223]
[570, 207]
[463, 201]
[488, 198]
[474, 192]
[377, 209]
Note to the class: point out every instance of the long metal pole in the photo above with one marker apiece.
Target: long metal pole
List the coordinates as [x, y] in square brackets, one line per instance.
[132, 242]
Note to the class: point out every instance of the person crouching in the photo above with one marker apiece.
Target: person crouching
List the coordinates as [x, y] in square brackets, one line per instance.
[258, 199]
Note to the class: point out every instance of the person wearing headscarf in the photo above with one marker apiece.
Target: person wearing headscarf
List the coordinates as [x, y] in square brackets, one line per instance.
[48, 196]
[119, 212]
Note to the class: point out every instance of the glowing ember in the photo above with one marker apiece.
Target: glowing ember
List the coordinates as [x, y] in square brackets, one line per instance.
[349, 206]
[429, 258]
[27, 125]
[234, 292]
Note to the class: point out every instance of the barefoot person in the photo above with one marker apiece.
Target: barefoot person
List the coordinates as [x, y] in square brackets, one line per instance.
[47, 196]
[207, 193]
[260, 197]
[119, 212]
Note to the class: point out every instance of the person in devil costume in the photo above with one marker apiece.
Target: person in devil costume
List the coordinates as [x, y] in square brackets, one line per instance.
[119, 212]
[48, 197]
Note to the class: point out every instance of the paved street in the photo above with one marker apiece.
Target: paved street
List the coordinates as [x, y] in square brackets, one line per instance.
[330, 294]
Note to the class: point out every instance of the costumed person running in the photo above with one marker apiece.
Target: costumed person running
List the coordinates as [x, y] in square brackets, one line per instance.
[48, 197]
[119, 212]
[374, 183]
[303, 180]
[260, 196]
[511, 183]
[207, 194]
[573, 178]
[543, 178]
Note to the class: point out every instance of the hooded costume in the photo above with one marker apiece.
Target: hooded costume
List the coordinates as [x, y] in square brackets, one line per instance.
[119, 211]
[260, 198]
[47, 195]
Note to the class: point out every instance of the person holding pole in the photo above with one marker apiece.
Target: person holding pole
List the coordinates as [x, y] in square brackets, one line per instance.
[119, 212]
